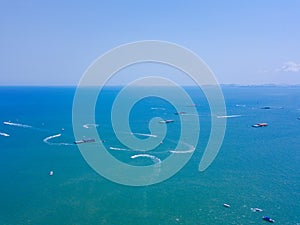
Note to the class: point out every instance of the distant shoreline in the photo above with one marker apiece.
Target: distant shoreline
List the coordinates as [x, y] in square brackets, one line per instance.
[118, 86]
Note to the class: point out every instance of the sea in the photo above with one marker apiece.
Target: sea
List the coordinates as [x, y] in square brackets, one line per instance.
[254, 168]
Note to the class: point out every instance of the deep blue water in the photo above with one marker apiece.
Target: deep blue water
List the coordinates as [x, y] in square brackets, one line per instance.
[255, 167]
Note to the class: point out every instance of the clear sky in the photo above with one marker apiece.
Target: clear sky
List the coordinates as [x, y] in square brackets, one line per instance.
[243, 42]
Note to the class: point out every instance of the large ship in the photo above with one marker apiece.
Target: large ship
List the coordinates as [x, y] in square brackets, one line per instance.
[84, 141]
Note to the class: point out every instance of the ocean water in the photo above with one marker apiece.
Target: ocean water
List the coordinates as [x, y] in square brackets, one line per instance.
[255, 167]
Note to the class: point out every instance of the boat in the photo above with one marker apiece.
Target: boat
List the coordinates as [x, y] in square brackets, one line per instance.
[51, 173]
[260, 125]
[84, 141]
[266, 107]
[179, 113]
[166, 121]
[266, 218]
[226, 205]
[256, 209]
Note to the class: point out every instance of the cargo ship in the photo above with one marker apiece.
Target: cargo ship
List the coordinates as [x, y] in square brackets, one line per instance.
[84, 141]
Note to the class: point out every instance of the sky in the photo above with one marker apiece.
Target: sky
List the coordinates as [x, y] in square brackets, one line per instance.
[243, 42]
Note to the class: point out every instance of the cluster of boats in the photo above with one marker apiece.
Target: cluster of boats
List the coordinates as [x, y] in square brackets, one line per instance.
[266, 218]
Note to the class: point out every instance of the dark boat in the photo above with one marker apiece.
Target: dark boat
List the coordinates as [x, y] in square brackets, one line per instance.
[84, 141]
[179, 113]
[266, 218]
[166, 121]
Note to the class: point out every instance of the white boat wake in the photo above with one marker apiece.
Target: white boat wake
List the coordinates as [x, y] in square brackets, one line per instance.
[119, 149]
[145, 135]
[90, 125]
[4, 134]
[229, 116]
[155, 159]
[182, 151]
[46, 140]
[158, 108]
[17, 124]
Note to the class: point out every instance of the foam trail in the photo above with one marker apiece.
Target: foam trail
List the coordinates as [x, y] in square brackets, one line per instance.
[17, 124]
[4, 134]
[183, 151]
[146, 135]
[190, 149]
[118, 149]
[189, 114]
[229, 116]
[158, 108]
[152, 157]
[90, 125]
[46, 140]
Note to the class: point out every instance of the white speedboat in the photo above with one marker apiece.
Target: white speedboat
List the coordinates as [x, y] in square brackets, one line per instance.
[166, 121]
[260, 125]
[226, 205]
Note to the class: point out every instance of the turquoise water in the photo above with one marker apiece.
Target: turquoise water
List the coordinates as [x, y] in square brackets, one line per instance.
[256, 167]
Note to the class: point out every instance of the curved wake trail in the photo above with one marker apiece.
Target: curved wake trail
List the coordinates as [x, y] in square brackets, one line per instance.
[46, 140]
[155, 159]
[190, 148]
[4, 134]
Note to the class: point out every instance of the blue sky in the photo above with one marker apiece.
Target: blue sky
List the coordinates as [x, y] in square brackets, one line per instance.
[243, 42]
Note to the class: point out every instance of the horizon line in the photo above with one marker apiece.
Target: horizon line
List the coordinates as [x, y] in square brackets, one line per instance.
[120, 85]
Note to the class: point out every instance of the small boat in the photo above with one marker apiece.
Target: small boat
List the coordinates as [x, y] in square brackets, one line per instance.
[256, 209]
[179, 113]
[260, 125]
[51, 173]
[226, 205]
[84, 141]
[266, 107]
[266, 218]
[166, 121]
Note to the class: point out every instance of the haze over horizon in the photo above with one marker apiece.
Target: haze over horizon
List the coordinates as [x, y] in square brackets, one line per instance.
[245, 43]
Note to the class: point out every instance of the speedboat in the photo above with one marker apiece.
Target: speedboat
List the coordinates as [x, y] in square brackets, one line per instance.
[266, 218]
[51, 173]
[166, 121]
[226, 205]
[256, 209]
[260, 125]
